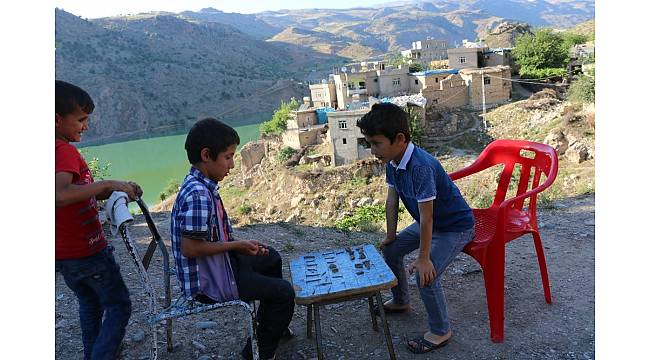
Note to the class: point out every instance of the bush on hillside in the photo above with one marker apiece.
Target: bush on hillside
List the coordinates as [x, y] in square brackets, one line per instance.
[278, 122]
[285, 153]
[172, 188]
[582, 90]
[543, 49]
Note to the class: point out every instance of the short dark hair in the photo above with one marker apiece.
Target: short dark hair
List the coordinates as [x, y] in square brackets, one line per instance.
[212, 134]
[385, 119]
[69, 98]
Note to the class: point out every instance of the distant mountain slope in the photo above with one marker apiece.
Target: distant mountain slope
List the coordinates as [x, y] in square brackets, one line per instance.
[394, 26]
[248, 24]
[157, 74]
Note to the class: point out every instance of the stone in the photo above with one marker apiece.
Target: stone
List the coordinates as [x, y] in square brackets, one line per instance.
[590, 222]
[205, 357]
[198, 345]
[206, 325]
[293, 218]
[557, 140]
[61, 324]
[364, 201]
[138, 336]
[577, 153]
[377, 202]
[296, 200]
[252, 154]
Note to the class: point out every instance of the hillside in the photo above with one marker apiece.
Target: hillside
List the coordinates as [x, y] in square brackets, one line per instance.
[157, 74]
[394, 26]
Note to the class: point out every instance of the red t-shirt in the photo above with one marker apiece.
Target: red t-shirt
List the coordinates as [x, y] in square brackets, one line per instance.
[78, 230]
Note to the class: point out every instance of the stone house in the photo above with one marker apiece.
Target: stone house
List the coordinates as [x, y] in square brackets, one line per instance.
[498, 56]
[498, 88]
[425, 51]
[324, 94]
[302, 129]
[428, 78]
[450, 92]
[347, 144]
[359, 86]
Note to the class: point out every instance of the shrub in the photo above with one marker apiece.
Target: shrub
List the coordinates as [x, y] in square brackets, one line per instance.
[362, 218]
[278, 122]
[172, 188]
[582, 90]
[285, 153]
[244, 209]
[98, 169]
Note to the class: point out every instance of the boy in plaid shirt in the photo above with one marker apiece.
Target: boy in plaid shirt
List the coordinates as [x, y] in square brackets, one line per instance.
[211, 265]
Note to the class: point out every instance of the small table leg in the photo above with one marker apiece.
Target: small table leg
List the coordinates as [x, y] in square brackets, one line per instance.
[319, 340]
[371, 305]
[389, 340]
[309, 320]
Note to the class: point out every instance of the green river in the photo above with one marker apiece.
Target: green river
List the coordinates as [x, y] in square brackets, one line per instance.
[153, 162]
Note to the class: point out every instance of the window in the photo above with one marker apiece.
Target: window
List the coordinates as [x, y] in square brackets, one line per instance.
[416, 81]
[375, 79]
[436, 79]
[343, 125]
[396, 82]
[363, 143]
[345, 141]
[462, 59]
[486, 80]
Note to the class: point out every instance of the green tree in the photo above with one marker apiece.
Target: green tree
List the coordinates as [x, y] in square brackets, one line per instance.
[395, 60]
[415, 67]
[278, 122]
[543, 49]
[415, 126]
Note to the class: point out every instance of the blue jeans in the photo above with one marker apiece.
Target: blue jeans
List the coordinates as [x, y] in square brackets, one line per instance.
[445, 246]
[100, 291]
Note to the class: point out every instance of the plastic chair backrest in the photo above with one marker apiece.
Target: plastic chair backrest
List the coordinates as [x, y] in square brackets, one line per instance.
[534, 158]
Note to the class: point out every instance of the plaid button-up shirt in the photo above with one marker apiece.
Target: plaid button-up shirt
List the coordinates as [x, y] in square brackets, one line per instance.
[198, 213]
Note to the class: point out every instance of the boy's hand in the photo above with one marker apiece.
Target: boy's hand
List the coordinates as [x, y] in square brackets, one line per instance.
[130, 188]
[136, 188]
[252, 248]
[425, 269]
[263, 250]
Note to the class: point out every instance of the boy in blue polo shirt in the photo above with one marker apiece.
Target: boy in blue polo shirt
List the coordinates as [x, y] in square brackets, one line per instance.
[443, 225]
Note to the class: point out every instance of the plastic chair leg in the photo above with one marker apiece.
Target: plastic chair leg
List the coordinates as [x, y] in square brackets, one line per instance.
[542, 266]
[493, 275]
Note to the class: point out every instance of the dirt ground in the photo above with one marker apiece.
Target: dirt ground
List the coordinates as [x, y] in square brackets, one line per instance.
[533, 329]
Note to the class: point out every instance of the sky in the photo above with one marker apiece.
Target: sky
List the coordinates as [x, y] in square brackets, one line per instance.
[96, 9]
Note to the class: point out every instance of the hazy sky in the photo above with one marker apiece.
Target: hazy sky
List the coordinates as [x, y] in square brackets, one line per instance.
[95, 9]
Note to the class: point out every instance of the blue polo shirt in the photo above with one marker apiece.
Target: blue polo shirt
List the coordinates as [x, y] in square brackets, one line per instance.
[420, 177]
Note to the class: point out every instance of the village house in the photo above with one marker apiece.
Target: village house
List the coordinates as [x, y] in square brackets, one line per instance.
[347, 144]
[425, 51]
[494, 80]
[359, 86]
[303, 128]
[323, 94]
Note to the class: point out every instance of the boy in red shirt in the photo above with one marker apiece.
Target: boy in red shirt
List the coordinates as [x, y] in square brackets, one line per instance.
[83, 256]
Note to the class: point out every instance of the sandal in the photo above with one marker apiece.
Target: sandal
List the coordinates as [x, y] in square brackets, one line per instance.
[423, 345]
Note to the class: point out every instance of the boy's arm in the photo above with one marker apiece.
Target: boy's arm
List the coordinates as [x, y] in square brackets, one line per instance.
[67, 193]
[423, 263]
[192, 248]
[392, 207]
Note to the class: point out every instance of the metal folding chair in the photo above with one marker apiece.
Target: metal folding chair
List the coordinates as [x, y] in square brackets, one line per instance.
[181, 306]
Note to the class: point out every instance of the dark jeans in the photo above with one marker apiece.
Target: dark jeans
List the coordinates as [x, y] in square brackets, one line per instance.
[260, 278]
[100, 291]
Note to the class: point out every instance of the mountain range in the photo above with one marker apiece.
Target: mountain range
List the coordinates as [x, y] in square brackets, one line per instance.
[157, 73]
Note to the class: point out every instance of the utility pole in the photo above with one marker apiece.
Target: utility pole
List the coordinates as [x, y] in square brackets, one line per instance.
[483, 91]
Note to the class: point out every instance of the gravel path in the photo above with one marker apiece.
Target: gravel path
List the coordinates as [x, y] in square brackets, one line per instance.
[533, 329]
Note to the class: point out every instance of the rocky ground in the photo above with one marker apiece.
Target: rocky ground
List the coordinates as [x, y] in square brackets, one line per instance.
[533, 329]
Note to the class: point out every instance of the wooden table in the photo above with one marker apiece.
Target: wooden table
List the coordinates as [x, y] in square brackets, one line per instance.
[334, 276]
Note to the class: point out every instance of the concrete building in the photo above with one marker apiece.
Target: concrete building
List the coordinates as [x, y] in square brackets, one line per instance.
[428, 78]
[346, 141]
[461, 58]
[359, 86]
[498, 88]
[498, 56]
[425, 51]
[324, 94]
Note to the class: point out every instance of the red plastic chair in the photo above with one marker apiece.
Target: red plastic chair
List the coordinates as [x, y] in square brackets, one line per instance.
[506, 220]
